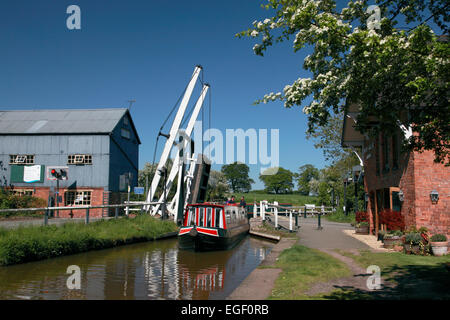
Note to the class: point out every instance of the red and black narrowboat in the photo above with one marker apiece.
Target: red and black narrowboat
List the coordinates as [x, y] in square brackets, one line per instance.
[208, 226]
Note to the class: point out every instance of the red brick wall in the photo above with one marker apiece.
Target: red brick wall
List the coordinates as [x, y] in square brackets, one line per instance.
[430, 176]
[96, 200]
[416, 176]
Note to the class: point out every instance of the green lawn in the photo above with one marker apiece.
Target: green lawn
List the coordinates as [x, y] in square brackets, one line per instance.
[32, 243]
[411, 276]
[303, 267]
[294, 199]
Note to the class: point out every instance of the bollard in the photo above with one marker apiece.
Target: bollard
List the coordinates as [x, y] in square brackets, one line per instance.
[319, 226]
[87, 215]
[296, 219]
[290, 221]
[262, 210]
[275, 211]
[116, 212]
[304, 214]
[46, 218]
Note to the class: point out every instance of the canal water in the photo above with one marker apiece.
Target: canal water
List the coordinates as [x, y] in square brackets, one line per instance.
[151, 270]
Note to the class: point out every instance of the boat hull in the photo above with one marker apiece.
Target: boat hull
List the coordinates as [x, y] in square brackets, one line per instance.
[223, 240]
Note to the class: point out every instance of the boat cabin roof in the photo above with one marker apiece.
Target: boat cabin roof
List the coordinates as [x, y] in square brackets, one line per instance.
[216, 205]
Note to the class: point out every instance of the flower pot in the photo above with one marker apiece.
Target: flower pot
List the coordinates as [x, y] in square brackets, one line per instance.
[362, 230]
[390, 242]
[439, 248]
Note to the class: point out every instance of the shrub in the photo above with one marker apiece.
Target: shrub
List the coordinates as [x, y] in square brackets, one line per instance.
[438, 238]
[392, 219]
[362, 217]
[393, 234]
[362, 224]
[413, 238]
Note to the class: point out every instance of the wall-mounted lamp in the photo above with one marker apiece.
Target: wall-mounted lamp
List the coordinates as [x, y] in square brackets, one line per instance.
[434, 195]
[401, 196]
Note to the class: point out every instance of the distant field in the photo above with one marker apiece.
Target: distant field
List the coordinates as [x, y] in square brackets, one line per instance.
[294, 199]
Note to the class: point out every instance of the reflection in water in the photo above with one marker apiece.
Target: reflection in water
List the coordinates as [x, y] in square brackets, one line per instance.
[154, 270]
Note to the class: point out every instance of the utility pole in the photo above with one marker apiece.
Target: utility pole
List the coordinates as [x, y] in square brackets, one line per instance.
[131, 103]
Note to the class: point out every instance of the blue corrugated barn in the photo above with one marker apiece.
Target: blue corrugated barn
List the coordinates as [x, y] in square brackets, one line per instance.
[99, 147]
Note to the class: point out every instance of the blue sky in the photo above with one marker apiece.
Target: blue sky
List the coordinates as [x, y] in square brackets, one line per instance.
[147, 50]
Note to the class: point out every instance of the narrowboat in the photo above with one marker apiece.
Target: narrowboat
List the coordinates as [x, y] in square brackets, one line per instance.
[208, 226]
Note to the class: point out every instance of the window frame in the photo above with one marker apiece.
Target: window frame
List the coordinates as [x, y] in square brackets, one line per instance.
[73, 202]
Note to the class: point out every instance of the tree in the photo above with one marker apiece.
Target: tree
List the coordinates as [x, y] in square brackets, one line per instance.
[397, 76]
[217, 185]
[280, 182]
[306, 174]
[149, 171]
[237, 176]
[328, 138]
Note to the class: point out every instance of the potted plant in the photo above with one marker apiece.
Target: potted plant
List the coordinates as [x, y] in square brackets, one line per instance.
[439, 244]
[392, 238]
[413, 242]
[381, 235]
[362, 227]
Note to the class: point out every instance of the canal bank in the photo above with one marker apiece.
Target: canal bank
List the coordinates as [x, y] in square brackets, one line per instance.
[33, 243]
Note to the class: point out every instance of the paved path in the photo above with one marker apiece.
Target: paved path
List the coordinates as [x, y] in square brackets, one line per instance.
[331, 236]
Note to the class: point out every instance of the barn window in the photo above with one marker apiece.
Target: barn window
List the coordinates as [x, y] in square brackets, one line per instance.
[125, 133]
[22, 192]
[125, 121]
[77, 198]
[21, 159]
[79, 159]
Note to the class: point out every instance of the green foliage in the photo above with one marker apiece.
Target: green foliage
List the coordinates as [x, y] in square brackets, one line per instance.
[10, 201]
[217, 186]
[393, 234]
[438, 238]
[413, 238]
[237, 176]
[362, 224]
[280, 182]
[340, 216]
[306, 173]
[41, 242]
[398, 75]
[148, 172]
[259, 195]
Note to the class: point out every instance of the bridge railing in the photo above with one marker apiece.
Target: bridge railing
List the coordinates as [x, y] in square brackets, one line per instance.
[275, 209]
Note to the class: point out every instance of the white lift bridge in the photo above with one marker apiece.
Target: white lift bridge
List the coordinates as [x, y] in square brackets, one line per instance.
[186, 160]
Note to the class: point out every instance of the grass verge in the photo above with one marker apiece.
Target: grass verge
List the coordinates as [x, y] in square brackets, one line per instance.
[339, 216]
[294, 199]
[302, 267]
[33, 243]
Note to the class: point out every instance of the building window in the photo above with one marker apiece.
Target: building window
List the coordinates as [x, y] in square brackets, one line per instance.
[79, 159]
[77, 198]
[125, 133]
[22, 192]
[125, 121]
[377, 156]
[21, 159]
[385, 146]
[395, 152]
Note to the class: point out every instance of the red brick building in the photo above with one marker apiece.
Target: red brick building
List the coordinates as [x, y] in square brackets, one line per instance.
[402, 182]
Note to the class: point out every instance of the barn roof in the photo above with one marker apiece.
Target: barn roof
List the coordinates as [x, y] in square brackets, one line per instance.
[62, 121]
